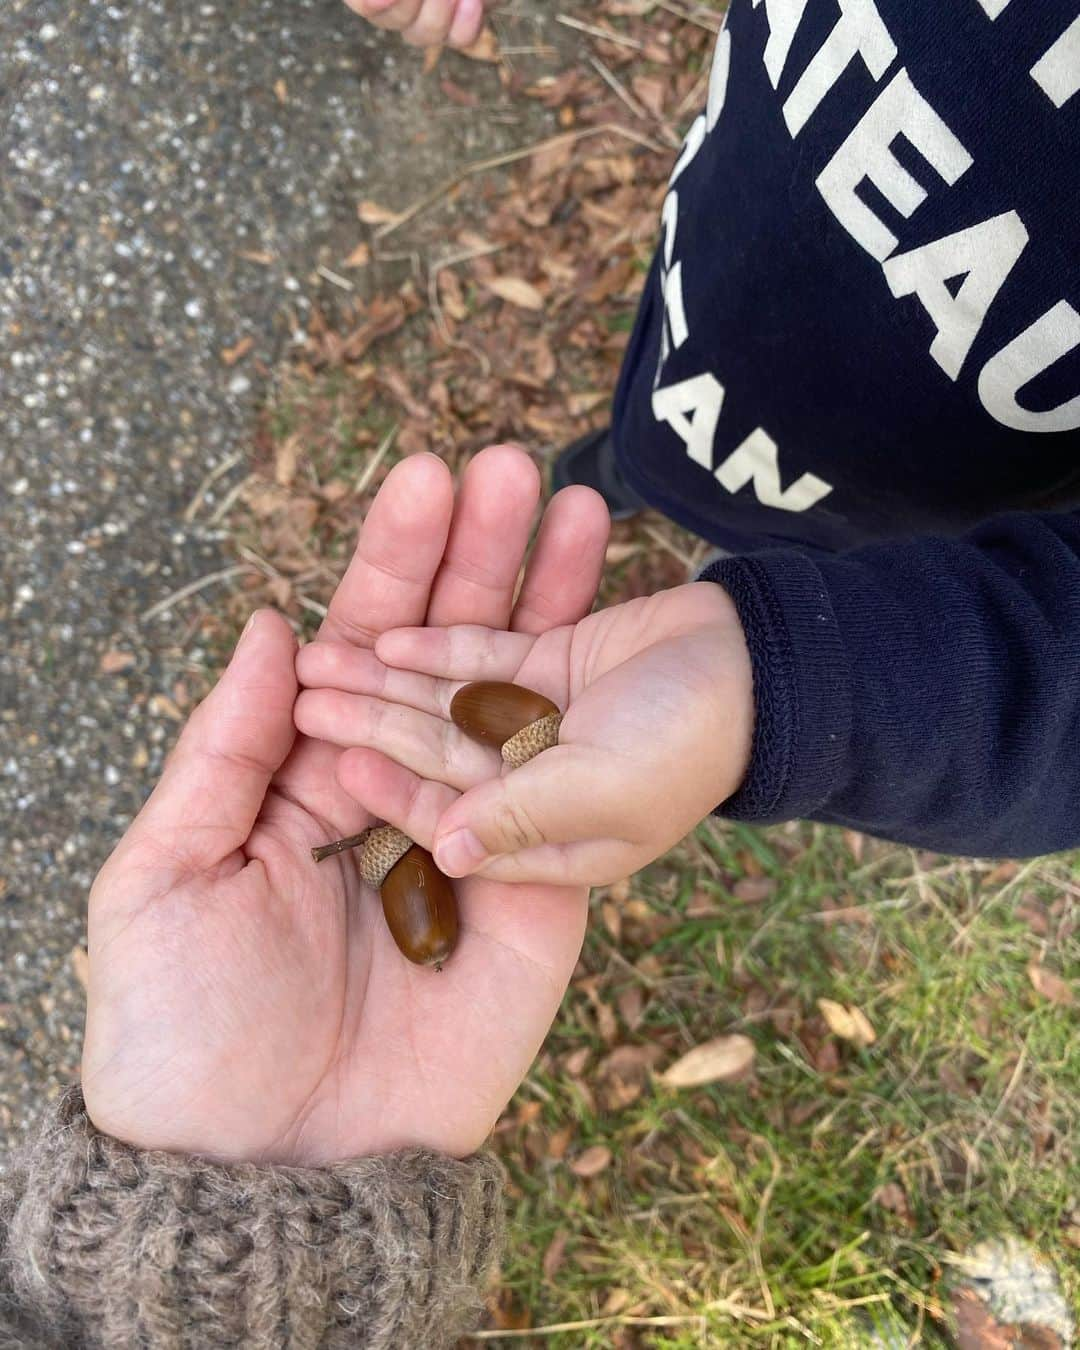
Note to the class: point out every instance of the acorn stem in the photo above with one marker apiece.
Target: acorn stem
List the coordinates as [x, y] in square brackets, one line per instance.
[339, 846]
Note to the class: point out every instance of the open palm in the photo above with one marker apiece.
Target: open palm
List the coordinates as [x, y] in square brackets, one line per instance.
[657, 728]
[247, 1004]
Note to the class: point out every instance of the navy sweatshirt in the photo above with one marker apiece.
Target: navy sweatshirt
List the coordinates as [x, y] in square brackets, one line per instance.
[857, 368]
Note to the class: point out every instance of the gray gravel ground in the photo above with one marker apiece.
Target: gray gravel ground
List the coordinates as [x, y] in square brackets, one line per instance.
[145, 149]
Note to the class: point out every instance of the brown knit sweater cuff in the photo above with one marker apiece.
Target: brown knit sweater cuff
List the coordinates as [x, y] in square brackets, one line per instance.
[104, 1245]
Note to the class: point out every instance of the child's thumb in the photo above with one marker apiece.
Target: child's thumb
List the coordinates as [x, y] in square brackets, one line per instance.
[563, 796]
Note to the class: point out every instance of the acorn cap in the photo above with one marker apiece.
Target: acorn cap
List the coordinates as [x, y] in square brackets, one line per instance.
[538, 736]
[380, 853]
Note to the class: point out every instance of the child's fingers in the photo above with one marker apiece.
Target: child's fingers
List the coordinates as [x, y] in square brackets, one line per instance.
[590, 862]
[465, 652]
[354, 670]
[394, 793]
[570, 794]
[565, 568]
[430, 746]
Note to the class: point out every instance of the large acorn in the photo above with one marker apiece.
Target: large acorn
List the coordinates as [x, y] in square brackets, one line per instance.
[417, 899]
[518, 722]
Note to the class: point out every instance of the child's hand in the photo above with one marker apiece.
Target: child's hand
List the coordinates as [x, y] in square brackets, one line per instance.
[426, 23]
[659, 715]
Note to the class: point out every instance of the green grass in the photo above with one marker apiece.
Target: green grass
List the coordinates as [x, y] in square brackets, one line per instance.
[751, 1212]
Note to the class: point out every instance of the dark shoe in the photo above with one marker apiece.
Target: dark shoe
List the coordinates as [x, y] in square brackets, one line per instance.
[591, 461]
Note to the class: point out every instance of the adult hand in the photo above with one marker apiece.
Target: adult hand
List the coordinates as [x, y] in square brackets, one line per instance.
[427, 23]
[657, 730]
[245, 1003]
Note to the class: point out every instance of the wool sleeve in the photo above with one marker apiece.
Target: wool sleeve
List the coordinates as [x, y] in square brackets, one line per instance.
[925, 690]
[104, 1245]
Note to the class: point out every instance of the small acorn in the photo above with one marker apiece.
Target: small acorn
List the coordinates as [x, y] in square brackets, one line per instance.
[519, 722]
[417, 899]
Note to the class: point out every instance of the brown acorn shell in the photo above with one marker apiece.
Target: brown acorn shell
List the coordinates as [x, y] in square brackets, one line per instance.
[420, 908]
[492, 711]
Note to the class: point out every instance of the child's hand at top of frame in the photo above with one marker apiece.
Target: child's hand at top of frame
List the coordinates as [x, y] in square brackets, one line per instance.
[657, 731]
[427, 23]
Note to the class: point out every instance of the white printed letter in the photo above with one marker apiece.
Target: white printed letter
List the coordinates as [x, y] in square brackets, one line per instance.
[784, 17]
[692, 410]
[1057, 73]
[898, 109]
[858, 32]
[756, 461]
[984, 255]
[1036, 349]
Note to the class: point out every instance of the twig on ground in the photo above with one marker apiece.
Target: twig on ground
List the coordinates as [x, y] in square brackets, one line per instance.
[436, 304]
[372, 466]
[192, 588]
[229, 500]
[219, 471]
[335, 278]
[593, 31]
[691, 16]
[639, 110]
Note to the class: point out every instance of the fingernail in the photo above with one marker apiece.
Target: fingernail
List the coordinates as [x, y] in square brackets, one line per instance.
[460, 853]
[248, 626]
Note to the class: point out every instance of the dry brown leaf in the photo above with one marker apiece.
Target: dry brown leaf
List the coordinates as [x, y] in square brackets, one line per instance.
[856, 843]
[452, 295]
[579, 404]
[1050, 986]
[114, 661]
[717, 1061]
[555, 1254]
[617, 554]
[592, 1162]
[549, 159]
[612, 919]
[359, 257]
[516, 291]
[847, 1022]
[631, 1005]
[80, 965]
[371, 213]
[753, 890]
[606, 1023]
[286, 455]
[650, 90]
[575, 1061]
[161, 705]
[485, 48]
[230, 355]
[893, 1198]
[616, 1302]
[559, 1142]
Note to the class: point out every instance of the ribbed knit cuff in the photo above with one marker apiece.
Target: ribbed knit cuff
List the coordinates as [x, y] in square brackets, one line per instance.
[109, 1246]
[802, 685]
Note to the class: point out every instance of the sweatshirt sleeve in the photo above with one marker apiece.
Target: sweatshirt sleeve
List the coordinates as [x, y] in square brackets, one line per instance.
[925, 690]
[103, 1245]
